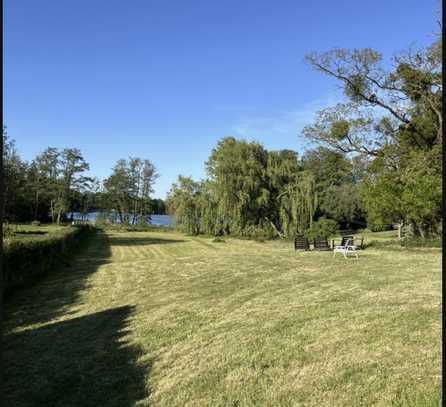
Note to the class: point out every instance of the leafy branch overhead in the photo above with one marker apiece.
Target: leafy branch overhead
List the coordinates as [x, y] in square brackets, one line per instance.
[382, 103]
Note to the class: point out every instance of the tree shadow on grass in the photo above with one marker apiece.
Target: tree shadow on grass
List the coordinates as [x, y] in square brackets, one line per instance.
[53, 357]
[83, 361]
[51, 294]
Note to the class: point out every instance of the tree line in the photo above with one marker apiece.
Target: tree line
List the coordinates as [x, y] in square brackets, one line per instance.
[54, 184]
[377, 160]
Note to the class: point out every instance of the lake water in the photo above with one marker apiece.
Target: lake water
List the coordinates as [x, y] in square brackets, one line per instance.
[158, 220]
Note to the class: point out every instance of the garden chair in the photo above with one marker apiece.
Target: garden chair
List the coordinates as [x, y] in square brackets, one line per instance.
[345, 249]
[344, 240]
[321, 243]
[301, 243]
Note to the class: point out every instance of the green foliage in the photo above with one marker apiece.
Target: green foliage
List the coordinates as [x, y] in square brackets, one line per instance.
[343, 203]
[414, 243]
[423, 191]
[25, 259]
[322, 228]
[35, 223]
[379, 227]
[127, 190]
[298, 204]
[218, 239]
[340, 129]
[250, 192]
[8, 232]
[328, 167]
[336, 183]
[238, 183]
[45, 186]
[157, 207]
[259, 233]
[184, 201]
[54, 184]
[394, 118]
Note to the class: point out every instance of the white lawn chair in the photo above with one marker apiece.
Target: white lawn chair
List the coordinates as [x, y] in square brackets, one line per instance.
[346, 249]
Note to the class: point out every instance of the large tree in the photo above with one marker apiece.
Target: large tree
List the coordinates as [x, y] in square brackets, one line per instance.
[183, 201]
[236, 172]
[15, 191]
[127, 190]
[392, 121]
[249, 191]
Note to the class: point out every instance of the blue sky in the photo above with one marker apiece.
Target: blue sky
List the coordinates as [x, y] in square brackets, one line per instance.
[165, 80]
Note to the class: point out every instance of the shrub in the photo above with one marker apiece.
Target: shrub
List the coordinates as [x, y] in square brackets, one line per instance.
[258, 233]
[218, 239]
[35, 223]
[406, 243]
[409, 243]
[381, 244]
[380, 228]
[322, 228]
[25, 259]
[8, 232]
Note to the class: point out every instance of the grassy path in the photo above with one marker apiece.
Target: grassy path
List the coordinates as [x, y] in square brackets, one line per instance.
[163, 319]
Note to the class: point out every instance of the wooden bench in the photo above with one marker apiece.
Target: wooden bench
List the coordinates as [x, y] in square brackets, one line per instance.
[301, 243]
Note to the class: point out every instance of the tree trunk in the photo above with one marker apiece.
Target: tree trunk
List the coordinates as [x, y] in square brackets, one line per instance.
[400, 230]
[414, 229]
[276, 230]
[135, 212]
[422, 231]
[37, 206]
[52, 210]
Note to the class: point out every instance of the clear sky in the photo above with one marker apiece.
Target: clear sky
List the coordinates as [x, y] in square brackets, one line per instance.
[165, 80]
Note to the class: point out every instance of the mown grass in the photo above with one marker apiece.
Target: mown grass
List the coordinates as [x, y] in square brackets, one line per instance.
[164, 319]
[33, 232]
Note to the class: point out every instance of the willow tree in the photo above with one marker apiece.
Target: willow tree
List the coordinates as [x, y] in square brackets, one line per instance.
[249, 190]
[237, 179]
[183, 202]
[298, 203]
[283, 167]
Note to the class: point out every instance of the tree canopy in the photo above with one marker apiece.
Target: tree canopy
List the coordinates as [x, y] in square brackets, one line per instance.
[392, 122]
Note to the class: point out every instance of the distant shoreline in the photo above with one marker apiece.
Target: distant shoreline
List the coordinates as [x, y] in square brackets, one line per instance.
[159, 220]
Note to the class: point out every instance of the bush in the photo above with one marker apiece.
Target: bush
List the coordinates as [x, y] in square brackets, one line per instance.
[380, 228]
[414, 242]
[381, 244]
[8, 232]
[25, 259]
[258, 233]
[218, 239]
[322, 228]
[35, 223]
[393, 244]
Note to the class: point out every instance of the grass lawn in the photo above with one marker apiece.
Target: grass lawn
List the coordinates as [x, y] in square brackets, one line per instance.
[163, 319]
[27, 231]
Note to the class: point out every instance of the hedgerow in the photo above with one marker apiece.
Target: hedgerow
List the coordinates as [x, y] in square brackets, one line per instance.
[25, 259]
